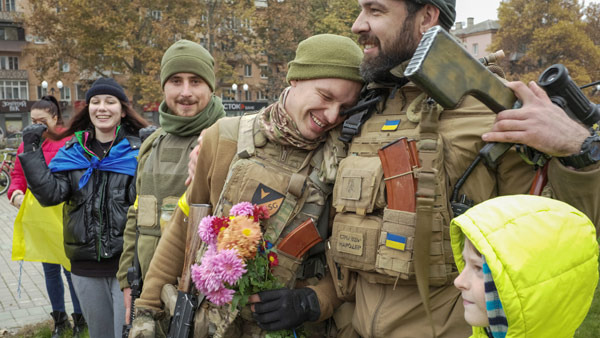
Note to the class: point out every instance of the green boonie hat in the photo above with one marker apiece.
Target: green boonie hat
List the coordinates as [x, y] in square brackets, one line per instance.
[447, 10]
[326, 56]
[185, 56]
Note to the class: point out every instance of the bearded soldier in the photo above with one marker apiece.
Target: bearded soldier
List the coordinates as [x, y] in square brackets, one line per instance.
[376, 248]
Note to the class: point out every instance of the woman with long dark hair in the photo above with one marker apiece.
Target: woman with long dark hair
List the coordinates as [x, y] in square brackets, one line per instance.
[46, 111]
[94, 175]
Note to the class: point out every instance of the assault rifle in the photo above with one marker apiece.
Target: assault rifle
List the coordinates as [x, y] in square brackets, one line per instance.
[134, 278]
[182, 321]
[447, 73]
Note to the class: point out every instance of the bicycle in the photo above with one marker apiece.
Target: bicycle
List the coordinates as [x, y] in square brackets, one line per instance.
[6, 168]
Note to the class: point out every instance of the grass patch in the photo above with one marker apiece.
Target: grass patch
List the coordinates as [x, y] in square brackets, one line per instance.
[41, 330]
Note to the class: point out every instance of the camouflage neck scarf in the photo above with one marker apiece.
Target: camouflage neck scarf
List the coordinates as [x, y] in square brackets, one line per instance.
[277, 124]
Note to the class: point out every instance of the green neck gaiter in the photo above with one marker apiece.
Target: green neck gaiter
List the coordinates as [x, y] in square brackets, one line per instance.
[192, 125]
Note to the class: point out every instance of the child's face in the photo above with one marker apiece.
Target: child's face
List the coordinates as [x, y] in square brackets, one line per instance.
[470, 283]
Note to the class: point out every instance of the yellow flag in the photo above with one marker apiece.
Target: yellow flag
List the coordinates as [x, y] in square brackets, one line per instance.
[38, 233]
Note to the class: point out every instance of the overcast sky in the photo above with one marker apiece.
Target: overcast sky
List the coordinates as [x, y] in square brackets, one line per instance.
[482, 10]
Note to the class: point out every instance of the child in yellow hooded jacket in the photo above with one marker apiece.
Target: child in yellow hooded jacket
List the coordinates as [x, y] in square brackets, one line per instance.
[529, 266]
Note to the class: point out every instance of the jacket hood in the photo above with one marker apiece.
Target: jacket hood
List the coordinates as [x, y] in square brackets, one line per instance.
[543, 256]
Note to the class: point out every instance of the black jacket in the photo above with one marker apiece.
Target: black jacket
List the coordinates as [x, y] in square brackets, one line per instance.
[94, 217]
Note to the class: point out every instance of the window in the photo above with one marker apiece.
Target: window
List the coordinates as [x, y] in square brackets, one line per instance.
[63, 66]
[41, 92]
[247, 70]
[228, 95]
[264, 71]
[65, 94]
[79, 91]
[156, 15]
[9, 33]
[9, 6]
[261, 96]
[9, 62]
[248, 95]
[475, 49]
[13, 90]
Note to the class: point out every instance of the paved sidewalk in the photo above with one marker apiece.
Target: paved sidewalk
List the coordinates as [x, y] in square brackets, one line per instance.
[32, 305]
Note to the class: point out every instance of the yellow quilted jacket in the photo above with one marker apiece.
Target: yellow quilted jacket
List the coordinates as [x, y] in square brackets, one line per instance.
[543, 255]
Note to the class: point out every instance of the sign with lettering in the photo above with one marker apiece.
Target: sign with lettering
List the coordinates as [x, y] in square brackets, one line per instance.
[244, 105]
[350, 243]
[15, 106]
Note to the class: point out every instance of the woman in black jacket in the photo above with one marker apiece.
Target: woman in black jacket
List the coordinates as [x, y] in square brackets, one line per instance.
[94, 175]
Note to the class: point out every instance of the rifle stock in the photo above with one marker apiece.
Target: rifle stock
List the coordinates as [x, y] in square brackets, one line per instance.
[447, 73]
[187, 302]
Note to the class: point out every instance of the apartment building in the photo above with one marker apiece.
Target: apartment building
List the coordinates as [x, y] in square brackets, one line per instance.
[20, 88]
[476, 37]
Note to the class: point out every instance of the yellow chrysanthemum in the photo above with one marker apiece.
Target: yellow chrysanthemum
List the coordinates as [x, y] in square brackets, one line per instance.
[243, 235]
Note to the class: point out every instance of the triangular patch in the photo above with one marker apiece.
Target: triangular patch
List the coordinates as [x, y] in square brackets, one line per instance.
[268, 197]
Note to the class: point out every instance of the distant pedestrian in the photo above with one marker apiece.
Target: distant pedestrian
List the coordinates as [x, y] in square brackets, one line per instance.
[47, 112]
[94, 175]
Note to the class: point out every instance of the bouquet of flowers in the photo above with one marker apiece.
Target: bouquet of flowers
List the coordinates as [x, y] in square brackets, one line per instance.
[238, 260]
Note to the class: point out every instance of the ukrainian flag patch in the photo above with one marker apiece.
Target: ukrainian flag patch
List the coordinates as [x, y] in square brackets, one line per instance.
[390, 125]
[395, 241]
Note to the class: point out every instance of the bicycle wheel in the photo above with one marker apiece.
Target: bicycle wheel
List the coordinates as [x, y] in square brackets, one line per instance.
[4, 181]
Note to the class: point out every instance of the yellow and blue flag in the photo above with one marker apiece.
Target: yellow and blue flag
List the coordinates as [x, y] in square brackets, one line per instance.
[390, 125]
[395, 241]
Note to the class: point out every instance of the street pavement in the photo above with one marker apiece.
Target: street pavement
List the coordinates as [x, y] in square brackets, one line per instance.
[27, 303]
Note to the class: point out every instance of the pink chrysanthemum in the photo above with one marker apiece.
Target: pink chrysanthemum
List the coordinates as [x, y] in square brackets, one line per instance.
[207, 276]
[242, 209]
[229, 266]
[206, 230]
[221, 296]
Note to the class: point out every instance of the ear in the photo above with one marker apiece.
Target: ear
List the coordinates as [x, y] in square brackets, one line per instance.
[427, 17]
[293, 83]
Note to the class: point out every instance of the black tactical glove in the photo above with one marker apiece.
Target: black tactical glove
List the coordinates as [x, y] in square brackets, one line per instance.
[32, 136]
[146, 131]
[286, 309]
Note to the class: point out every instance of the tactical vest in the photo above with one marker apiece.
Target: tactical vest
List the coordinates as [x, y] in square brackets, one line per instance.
[285, 180]
[363, 222]
[163, 180]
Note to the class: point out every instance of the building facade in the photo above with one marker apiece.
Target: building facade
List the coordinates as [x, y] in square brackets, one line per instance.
[476, 38]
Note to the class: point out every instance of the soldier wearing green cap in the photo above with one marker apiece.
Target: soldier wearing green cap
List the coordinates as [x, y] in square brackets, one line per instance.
[394, 259]
[285, 157]
[187, 78]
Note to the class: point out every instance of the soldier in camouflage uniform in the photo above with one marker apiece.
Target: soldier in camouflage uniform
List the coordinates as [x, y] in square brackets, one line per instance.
[283, 157]
[374, 247]
[189, 107]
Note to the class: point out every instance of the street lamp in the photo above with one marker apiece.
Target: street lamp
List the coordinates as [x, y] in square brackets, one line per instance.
[245, 87]
[59, 85]
[234, 87]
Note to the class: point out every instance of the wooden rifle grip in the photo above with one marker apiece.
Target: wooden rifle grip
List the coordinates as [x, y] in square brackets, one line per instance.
[192, 243]
[539, 181]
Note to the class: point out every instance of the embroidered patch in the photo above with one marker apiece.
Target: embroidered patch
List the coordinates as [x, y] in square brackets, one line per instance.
[395, 241]
[268, 197]
[390, 125]
[351, 187]
[350, 243]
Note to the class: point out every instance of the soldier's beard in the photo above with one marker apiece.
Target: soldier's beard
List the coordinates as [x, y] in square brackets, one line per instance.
[377, 68]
